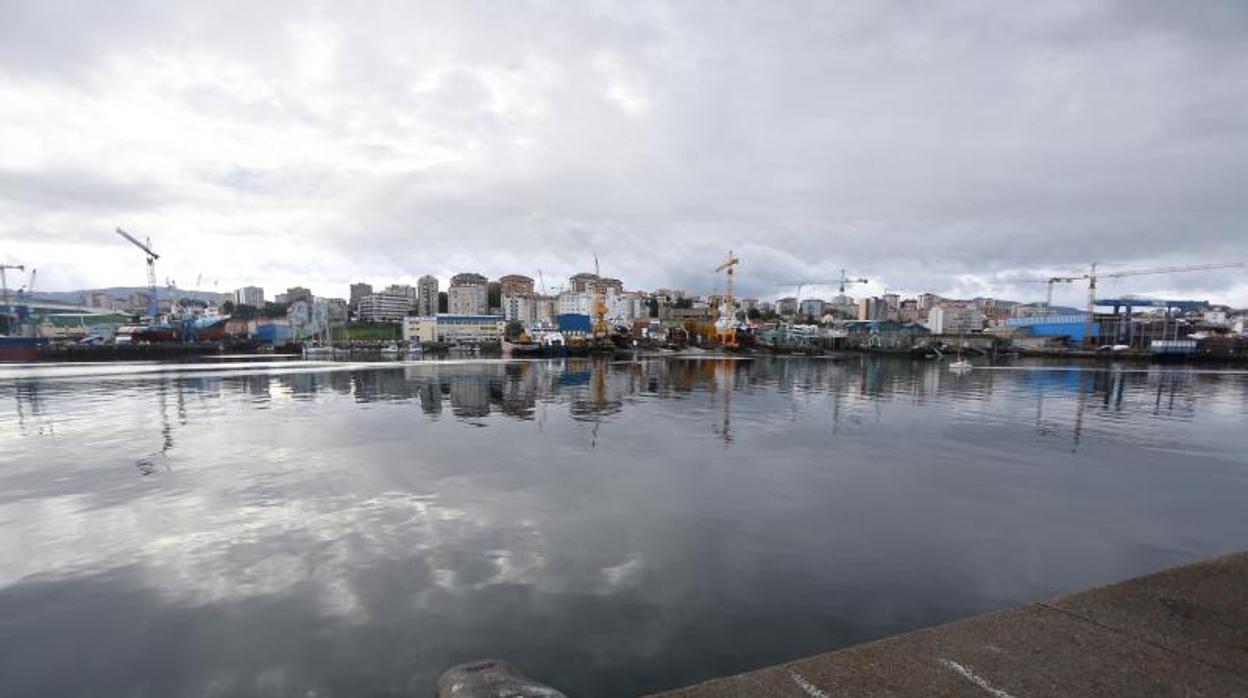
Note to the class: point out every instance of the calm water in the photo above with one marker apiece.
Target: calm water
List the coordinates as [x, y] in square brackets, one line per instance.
[352, 530]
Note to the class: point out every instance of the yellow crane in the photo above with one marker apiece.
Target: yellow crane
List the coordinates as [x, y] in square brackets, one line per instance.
[601, 329]
[726, 325]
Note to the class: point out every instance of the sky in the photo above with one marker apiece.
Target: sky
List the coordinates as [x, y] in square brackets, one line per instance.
[963, 148]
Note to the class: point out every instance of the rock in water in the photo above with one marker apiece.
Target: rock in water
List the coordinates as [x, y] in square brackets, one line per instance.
[491, 678]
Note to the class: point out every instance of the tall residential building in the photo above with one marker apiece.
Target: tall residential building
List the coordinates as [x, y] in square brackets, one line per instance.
[298, 293]
[584, 283]
[427, 296]
[249, 295]
[575, 303]
[872, 309]
[408, 292]
[516, 285]
[520, 308]
[358, 291]
[383, 307]
[812, 307]
[336, 311]
[468, 295]
[951, 319]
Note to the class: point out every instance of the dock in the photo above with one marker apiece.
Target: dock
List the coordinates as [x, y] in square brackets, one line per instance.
[1179, 632]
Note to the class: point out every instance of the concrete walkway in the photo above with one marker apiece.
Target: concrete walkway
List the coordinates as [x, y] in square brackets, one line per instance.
[1181, 632]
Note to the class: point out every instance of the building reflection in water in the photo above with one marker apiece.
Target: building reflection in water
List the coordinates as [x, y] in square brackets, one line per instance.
[853, 392]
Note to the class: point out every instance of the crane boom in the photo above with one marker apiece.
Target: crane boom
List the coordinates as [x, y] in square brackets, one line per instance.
[1092, 276]
[138, 244]
[152, 305]
[1172, 269]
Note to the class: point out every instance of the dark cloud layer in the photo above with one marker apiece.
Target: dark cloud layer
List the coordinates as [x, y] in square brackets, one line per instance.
[951, 146]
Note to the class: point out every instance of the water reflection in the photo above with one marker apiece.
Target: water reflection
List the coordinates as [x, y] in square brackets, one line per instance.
[616, 527]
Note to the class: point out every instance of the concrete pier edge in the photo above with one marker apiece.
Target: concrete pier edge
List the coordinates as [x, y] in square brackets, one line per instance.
[1178, 632]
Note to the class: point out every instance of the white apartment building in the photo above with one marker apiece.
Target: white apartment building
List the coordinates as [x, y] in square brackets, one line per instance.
[468, 299]
[427, 295]
[384, 307]
[522, 309]
[249, 295]
[954, 320]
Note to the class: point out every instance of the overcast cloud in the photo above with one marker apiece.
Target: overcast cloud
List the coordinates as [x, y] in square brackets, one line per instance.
[946, 146]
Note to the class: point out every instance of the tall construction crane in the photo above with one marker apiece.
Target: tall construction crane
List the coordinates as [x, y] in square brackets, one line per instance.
[152, 306]
[552, 304]
[847, 280]
[4, 290]
[601, 330]
[726, 325]
[4, 282]
[1093, 275]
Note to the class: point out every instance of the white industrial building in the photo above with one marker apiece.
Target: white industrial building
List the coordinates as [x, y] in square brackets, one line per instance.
[454, 329]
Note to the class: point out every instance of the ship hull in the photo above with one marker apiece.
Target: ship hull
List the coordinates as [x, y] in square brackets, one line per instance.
[20, 348]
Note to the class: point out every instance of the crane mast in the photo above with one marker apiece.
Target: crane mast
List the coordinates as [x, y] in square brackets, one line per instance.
[601, 331]
[1093, 275]
[152, 306]
[847, 280]
[726, 325]
[4, 291]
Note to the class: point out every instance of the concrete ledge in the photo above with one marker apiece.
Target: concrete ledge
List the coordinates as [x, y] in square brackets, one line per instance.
[1181, 632]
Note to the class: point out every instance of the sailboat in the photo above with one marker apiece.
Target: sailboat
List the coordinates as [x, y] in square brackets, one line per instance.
[961, 364]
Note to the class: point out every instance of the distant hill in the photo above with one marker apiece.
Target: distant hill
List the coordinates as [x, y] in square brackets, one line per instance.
[77, 297]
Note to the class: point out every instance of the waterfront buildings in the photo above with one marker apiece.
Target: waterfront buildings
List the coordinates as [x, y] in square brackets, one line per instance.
[100, 299]
[468, 295]
[515, 285]
[454, 328]
[358, 291]
[383, 307]
[249, 295]
[298, 293]
[872, 309]
[408, 292]
[811, 307]
[584, 283]
[954, 319]
[520, 308]
[427, 295]
[337, 311]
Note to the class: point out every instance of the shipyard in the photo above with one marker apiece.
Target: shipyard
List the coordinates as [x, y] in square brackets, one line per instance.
[595, 314]
[675, 348]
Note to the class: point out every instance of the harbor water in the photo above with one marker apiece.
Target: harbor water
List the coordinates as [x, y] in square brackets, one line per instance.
[323, 529]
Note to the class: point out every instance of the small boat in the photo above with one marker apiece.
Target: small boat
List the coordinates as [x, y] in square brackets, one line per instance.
[961, 364]
[390, 349]
[318, 352]
[521, 347]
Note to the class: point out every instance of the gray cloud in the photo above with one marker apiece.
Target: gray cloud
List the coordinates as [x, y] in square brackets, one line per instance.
[947, 147]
